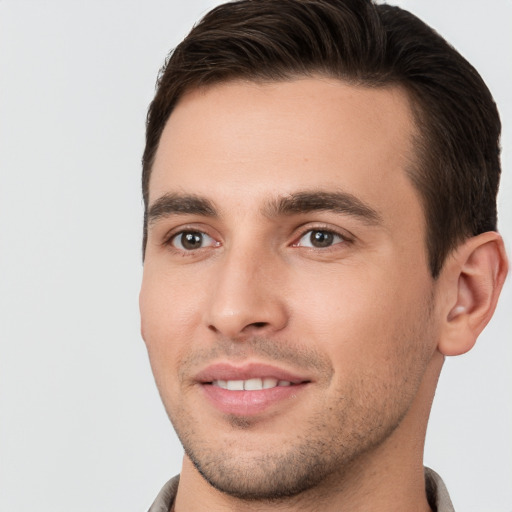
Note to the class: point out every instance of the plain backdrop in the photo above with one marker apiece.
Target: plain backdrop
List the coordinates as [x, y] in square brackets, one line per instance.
[81, 424]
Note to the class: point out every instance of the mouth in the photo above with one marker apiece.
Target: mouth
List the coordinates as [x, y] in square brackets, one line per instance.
[254, 384]
[250, 389]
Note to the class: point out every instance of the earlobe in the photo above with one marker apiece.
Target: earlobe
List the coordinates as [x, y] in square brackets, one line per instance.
[475, 273]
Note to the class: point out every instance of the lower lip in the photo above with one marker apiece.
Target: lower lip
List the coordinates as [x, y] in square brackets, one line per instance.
[249, 403]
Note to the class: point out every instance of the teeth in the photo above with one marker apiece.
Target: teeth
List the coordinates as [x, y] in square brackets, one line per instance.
[268, 383]
[235, 385]
[255, 384]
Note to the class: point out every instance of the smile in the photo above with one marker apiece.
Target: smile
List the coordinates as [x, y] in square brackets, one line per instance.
[251, 388]
[254, 384]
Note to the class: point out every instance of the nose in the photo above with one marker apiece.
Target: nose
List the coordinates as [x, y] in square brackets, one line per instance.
[247, 297]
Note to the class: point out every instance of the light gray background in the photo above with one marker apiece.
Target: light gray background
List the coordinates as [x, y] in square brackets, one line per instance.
[81, 425]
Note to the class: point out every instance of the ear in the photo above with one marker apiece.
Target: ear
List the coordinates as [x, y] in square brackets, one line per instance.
[473, 277]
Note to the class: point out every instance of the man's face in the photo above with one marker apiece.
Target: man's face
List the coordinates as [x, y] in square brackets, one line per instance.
[286, 303]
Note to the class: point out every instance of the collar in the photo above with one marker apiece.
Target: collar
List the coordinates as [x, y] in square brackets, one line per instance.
[437, 494]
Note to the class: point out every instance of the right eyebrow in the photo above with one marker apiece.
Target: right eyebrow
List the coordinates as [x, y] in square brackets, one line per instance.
[179, 204]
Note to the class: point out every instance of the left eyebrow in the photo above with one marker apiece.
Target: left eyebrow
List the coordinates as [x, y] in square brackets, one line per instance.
[310, 201]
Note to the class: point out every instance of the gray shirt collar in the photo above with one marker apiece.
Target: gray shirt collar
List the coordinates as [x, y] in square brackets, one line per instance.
[437, 494]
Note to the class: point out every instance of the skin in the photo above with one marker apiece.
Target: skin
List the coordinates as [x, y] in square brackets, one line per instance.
[361, 318]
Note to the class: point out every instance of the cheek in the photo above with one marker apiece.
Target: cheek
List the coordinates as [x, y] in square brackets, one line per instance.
[167, 304]
[362, 319]
[168, 319]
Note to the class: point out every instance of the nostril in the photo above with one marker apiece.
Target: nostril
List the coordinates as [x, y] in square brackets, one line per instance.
[259, 325]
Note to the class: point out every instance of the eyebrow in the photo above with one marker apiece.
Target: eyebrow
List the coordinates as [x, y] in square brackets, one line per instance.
[310, 201]
[176, 204]
[292, 204]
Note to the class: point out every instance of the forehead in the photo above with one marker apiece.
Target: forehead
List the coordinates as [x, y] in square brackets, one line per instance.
[243, 141]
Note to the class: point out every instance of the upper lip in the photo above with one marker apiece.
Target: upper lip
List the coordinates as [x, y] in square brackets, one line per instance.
[231, 371]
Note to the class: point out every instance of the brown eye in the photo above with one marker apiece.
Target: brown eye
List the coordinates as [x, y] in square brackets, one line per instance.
[319, 239]
[191, 240]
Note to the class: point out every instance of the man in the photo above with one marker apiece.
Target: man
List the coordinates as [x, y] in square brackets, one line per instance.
[320, 182]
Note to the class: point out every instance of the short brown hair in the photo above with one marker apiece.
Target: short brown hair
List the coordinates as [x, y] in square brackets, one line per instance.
[458, 169]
